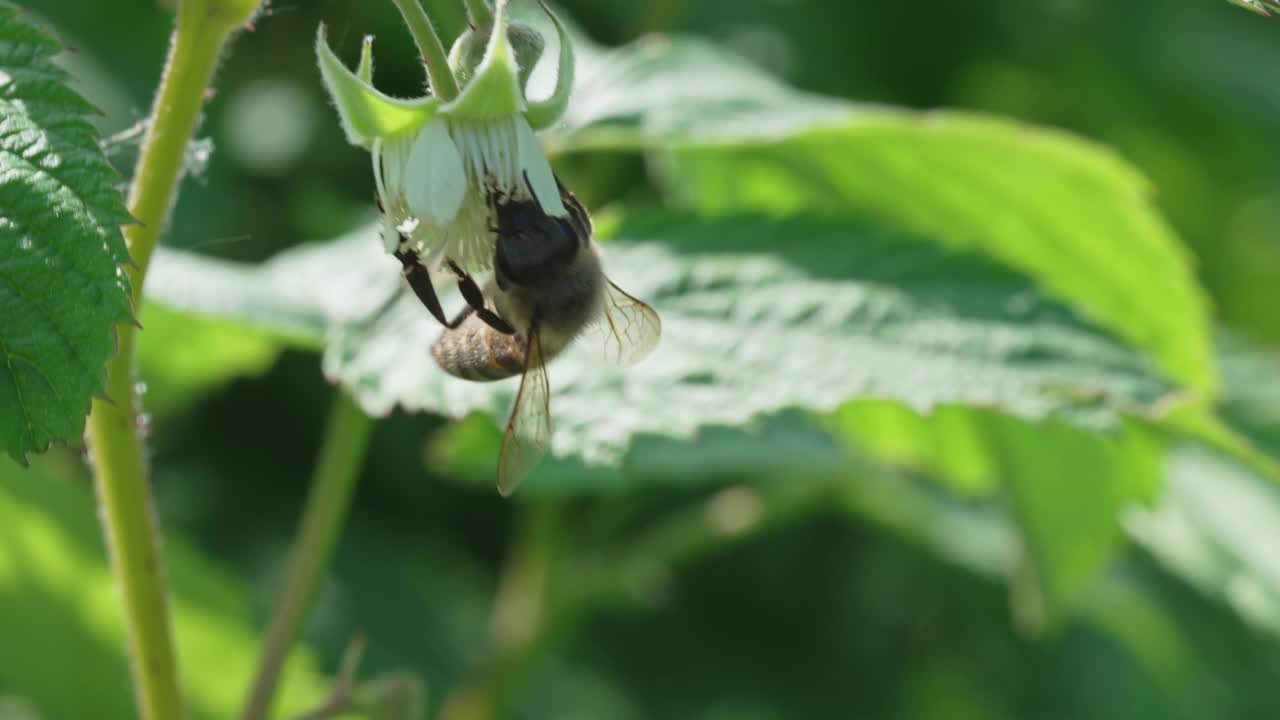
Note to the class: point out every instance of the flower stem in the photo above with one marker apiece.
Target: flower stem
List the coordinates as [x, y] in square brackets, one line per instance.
[346, 439]
[120, 472]
[480, 13]
[443, 84]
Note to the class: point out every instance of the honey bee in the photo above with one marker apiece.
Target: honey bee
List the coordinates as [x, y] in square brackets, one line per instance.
[548, 286]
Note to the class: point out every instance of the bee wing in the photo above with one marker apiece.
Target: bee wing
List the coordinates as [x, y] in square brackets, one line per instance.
[627, 330]
[528, 435]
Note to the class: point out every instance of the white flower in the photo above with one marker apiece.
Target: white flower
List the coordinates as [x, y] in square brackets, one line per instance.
[438, 185]
[441, 165]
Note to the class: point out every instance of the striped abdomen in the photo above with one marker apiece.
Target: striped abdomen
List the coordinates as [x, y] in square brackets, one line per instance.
[475, 351]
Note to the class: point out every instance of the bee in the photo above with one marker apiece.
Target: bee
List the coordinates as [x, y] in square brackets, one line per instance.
[550, 287]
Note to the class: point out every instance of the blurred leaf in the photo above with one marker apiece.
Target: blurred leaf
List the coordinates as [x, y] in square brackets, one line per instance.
[16, 709]
[861, 313]
[1218, 523]
[1067, 488]
[60, 609]
[394, 696]
[183, 356]
[1251, 393]
[1218, 526]
[1259, 6]
[62, 291]
[1066, 212]
[661, 90]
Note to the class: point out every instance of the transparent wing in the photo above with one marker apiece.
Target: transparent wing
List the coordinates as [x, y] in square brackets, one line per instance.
[627, 330]
[528, 435]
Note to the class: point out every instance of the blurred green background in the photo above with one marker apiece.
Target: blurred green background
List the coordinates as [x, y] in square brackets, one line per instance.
[863, 607]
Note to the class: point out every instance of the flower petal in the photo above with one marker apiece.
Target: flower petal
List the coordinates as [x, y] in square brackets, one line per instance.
[534, 166]
[366, 113]
[434, 181]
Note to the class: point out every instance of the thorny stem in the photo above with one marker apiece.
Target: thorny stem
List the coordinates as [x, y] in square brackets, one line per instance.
[342, 452]
[443, 84]
[119, 465]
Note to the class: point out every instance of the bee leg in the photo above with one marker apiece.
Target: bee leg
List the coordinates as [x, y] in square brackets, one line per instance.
[420, 280]
[471, 293]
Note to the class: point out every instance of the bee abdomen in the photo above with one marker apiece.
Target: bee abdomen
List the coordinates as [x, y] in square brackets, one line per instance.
[475, 351]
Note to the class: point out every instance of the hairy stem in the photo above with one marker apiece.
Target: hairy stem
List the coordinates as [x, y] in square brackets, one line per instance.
[346, 439]
[120, 471]
[443, 84]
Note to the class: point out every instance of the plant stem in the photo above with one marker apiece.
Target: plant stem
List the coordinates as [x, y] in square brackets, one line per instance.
[120, 472]
[480, 13]
[346, 439]
[424, 34]
[524, 612]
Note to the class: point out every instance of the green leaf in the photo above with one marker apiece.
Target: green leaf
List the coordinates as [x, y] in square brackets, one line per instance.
[1067, 489]
[62, 290]
[1218, 527]
[182, 357]
[1058, 208]
[860, 313]
[62, 624]
[1251, 393]
[1218, 522]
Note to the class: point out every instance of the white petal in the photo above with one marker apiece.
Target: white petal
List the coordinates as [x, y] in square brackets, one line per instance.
[533, 163]
[434, 181]
[392, 163]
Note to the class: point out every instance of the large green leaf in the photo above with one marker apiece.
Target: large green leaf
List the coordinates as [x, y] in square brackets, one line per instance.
[751, 327]
[1065, 211]
[1209, 525]
[1061, 210]
[61, 288]
[60, 615]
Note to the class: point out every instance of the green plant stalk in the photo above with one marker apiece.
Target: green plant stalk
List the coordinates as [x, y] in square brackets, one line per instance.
[443, 84]
[342, 452]
[120, 472]
[480, 13]
[525, 613]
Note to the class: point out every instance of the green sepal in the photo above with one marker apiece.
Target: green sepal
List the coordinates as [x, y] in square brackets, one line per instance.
[542, 114]
[494, 90]
[364, 71]
[367, 114]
